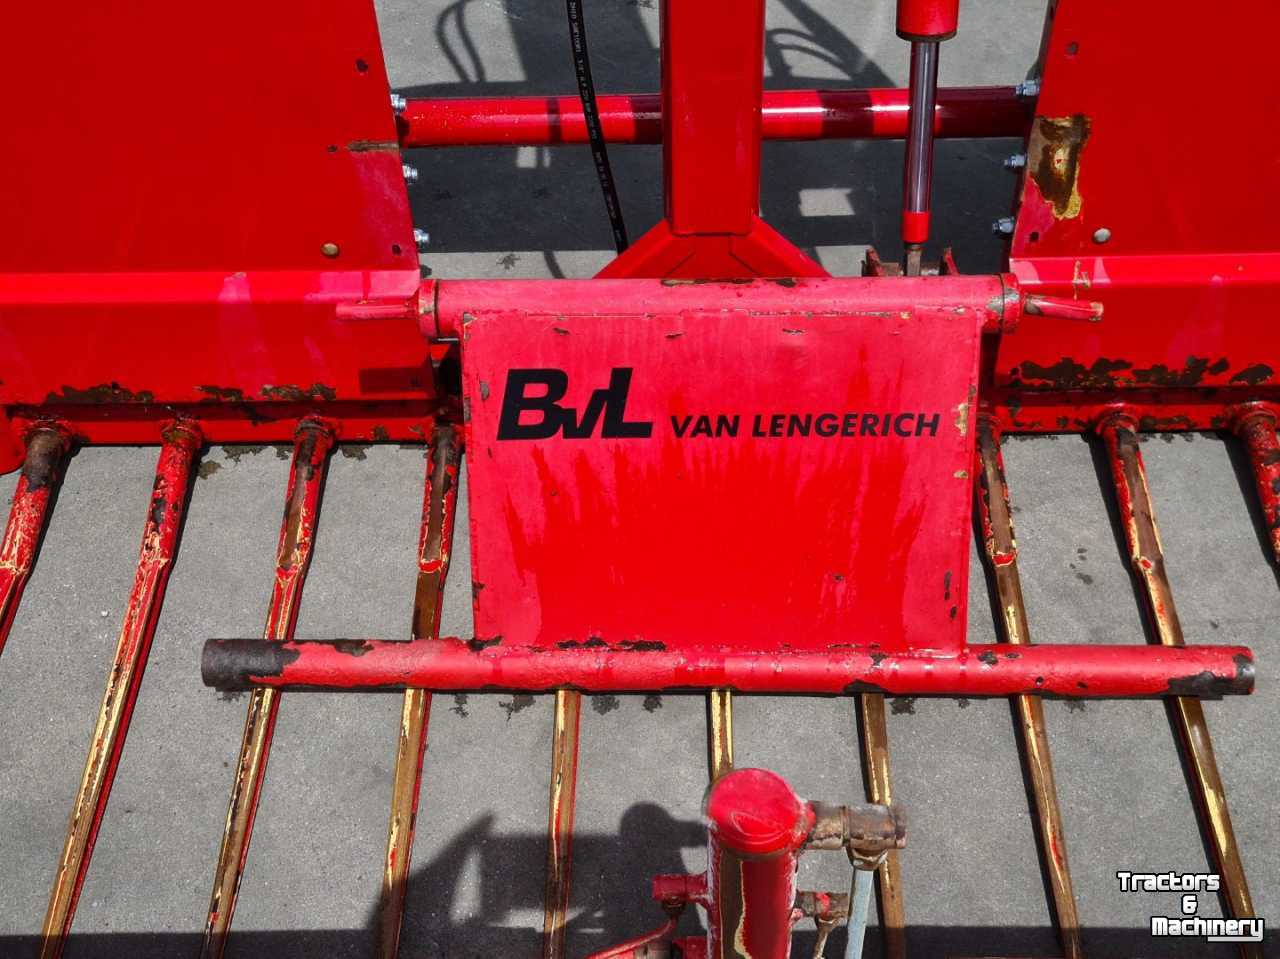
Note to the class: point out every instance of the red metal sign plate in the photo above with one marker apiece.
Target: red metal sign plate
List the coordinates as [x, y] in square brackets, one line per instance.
[708, 464]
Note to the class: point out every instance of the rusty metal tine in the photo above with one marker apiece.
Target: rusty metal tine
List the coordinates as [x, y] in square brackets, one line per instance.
[159, 540]
[306, 482]
[1001, 546]
[438, 507]
[1119, 432]
[720, 731]
[46, 450]
[564, 787]
[1255, 425]
[875, 757]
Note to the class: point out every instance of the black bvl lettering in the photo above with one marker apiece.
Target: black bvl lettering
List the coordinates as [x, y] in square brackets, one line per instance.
[609, 403]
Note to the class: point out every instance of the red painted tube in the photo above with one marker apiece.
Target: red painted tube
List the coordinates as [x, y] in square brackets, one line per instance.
[879, 114]
[995, 300]
[160, 534]
[1075, 671]
[1256, 427]
[756, 827]
[46, 451]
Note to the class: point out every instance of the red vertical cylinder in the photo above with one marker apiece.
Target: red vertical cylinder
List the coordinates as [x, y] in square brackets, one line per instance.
[931, 20]
[756, 826]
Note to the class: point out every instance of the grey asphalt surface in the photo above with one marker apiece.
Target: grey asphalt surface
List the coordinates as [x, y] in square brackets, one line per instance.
[972, 881]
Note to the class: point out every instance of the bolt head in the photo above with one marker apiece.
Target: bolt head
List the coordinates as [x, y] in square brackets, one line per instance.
[1015, 162]
[1003, 226]
[329, 249]
[410, 173]
[398, 103]
[1101, 235]
[421, 239]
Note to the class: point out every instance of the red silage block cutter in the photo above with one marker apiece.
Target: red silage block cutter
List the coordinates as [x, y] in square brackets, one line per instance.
[712, 379]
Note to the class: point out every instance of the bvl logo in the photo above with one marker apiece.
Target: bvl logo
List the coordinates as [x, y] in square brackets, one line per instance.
[540, 416]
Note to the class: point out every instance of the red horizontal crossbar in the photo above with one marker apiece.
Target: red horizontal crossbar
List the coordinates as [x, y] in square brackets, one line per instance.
[637, 117]
[592, 666]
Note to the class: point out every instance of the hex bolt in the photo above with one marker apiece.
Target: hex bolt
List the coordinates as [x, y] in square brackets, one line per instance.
[1003, 226]
[1015, 162]
[410, 173]
[398, 103]
[1101, 235]
[421, 239]
[1027, 89]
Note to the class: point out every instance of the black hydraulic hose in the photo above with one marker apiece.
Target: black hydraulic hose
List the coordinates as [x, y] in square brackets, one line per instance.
[595, 135]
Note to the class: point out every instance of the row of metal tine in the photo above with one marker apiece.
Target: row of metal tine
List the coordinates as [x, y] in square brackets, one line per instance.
[48, 447]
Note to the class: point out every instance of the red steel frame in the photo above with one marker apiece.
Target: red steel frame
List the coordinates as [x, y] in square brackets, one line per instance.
[251, 306]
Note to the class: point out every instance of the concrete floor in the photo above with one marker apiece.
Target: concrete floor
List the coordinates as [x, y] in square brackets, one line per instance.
[972, 880]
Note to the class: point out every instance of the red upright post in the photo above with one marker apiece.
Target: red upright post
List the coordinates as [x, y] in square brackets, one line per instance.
[756, 828]
[712, 89]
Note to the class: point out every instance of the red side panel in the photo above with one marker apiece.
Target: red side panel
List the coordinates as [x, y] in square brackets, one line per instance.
[1151, 189]
[189, 196]
[640, 474]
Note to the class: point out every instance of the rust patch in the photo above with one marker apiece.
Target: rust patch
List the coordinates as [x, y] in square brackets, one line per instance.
[1160, 424]
[1190, 375]
[591, 642]
[988, 657]
[296, 394]
[642, 646]
[962, 412]
[374, 146]
[102, 393]
[352, 647]
[1054, 161]
[479, 645]
[234, 396]
[1067, 374]
[1254, 375]
[45, 449]
[222, 394]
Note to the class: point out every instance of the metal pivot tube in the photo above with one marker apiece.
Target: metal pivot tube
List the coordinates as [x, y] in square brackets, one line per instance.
[720, 732]
[297, 530]
[564, 788]
[918, 184]
[996, 518]
[160, 532]
[434, 541]
[637, 117]
[1085, 671]
[1119, 432]
[1256, 428]
[41, 472]
[875, 759]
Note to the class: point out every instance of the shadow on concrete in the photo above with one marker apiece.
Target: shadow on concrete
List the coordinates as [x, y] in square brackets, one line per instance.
[502, 200]
[476, 896]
